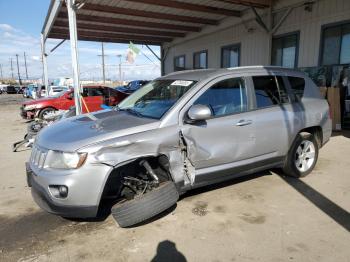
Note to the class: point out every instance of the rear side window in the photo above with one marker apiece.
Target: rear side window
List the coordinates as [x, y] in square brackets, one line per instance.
[269, 91]
[297, 85]
[225, 97]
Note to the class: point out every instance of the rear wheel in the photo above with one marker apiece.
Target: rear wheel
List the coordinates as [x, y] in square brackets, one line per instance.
[302, 156]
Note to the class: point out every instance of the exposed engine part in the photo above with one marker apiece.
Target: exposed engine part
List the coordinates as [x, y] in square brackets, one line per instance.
[137, 186]
[150, 171]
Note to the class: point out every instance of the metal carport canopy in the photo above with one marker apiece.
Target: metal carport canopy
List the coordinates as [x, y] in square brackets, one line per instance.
[149, 22]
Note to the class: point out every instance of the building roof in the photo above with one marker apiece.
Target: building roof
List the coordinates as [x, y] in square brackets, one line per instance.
[141, 21]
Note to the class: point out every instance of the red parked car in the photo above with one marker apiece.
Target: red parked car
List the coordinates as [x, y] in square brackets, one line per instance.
[93, 96]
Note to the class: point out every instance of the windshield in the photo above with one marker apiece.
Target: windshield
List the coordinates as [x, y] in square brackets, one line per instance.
[156, 98]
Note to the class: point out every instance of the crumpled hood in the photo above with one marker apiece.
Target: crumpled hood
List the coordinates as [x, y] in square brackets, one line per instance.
[73, 133]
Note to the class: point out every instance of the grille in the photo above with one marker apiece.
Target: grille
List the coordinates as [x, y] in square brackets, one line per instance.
[37, 158]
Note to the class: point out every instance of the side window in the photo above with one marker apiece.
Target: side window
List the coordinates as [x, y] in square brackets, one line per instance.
[225, 97]
[95, 91]
[284, 97]
[297, 85]
[269, 91]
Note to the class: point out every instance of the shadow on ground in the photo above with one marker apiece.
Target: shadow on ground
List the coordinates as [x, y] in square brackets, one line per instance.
[331, 209]
[167, 252]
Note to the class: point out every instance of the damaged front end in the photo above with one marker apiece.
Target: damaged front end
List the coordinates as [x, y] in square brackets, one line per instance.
[142, 161]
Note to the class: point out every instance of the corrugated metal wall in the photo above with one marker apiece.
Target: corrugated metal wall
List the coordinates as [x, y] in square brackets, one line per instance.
[254, 41]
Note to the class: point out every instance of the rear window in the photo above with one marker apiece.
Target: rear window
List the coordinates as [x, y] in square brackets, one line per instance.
[269, 91]
[297, 85]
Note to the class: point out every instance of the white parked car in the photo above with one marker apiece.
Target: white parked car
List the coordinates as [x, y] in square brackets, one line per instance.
[53, 90]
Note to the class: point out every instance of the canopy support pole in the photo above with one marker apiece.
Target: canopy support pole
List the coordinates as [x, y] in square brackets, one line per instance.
[43, 58]
[73, 33]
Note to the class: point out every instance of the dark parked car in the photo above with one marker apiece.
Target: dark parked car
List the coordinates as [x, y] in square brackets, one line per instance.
[132, 86]
[20, 89]
[11, 90]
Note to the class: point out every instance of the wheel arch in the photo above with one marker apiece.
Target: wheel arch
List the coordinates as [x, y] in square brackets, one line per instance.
[316, 131]
[110, 185]
[39, 110]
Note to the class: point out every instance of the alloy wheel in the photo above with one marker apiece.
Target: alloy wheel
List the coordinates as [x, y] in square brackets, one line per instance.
[305, 156]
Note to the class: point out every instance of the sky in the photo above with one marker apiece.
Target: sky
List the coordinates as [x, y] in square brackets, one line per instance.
[21, 22]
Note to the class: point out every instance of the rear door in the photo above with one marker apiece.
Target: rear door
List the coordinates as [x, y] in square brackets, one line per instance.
[274, 116]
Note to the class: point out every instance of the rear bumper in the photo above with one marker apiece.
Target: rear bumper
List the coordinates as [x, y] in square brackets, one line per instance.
[44, 200]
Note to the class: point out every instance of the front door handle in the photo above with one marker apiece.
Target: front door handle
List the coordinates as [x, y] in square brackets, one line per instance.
[244, 122]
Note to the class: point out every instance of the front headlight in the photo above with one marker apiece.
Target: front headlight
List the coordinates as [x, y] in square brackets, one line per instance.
[29, 107]
[63, 160]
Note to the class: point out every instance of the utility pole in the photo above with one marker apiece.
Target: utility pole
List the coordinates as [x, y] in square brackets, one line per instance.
[103, 64]
[2, 77]
[11, 68]
[25, 64]
[120, 69]
[19, 76]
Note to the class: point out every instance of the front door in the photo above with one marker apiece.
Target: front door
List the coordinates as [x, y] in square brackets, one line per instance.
[226, 138]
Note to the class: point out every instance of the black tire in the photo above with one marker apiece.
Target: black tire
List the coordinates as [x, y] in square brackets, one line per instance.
[135, 211]
[45, 111]
[290, 167]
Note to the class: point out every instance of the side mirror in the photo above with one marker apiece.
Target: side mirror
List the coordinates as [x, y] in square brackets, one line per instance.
[199, 113]
[70, 96]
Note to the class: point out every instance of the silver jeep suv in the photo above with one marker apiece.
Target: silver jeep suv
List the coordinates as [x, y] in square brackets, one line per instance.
[179, 132]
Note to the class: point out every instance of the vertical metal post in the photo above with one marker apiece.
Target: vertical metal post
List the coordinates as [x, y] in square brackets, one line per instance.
[43, 59]
[11, 68]
[162, 58]
[25, 64]
[19, 75]
[1, 72]
[103, 65]
[120, 69]
[269, 34]
[73, 33]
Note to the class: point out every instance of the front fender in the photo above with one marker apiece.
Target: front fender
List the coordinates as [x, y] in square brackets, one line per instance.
[123, 150]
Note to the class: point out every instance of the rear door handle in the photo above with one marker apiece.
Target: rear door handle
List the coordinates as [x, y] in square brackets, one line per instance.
[244, 122]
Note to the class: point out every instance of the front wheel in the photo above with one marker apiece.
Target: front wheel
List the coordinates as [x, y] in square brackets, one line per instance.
[131, 212]
[46, 111]
[302, 156]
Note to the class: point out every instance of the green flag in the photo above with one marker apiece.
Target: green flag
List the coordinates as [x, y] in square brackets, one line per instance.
[132, 52]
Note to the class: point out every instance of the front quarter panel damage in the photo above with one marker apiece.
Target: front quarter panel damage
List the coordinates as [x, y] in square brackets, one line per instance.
[123, 150]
